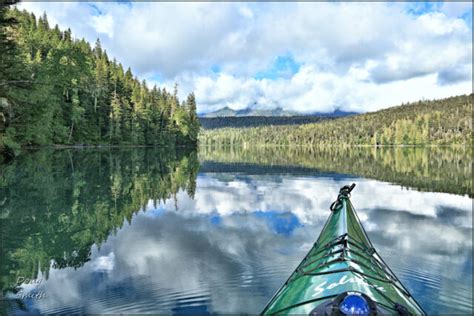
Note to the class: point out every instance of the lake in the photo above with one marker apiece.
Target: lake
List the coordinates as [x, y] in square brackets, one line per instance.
[219, 230]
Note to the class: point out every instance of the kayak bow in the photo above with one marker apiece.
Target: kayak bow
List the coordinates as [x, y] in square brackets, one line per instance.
[343, 274]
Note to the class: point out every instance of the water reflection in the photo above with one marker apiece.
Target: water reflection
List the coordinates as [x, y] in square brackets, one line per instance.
[57, 204]
[213, 242]
[433, 169]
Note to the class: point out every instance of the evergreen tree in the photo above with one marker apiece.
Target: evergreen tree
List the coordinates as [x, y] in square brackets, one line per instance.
[115, 119]
[57, 89]
[14, 82]
[194, 124]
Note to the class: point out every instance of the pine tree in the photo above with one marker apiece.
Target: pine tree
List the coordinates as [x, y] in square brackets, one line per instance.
[193, 118]
[100, 90]
[115, 126]
[77, 111]
[14, 82]
[57, 89]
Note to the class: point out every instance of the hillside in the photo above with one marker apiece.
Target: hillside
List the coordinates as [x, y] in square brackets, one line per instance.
[436, 122]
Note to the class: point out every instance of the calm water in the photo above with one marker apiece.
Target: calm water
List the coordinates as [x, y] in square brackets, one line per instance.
[142, 230]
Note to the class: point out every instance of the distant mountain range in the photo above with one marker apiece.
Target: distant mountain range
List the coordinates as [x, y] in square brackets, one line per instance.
[226, 111]
[278, 111]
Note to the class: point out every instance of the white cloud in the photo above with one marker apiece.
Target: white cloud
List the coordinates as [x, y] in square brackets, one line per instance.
[104, 24]
[312, 90]
[355, 56]
[308, 198]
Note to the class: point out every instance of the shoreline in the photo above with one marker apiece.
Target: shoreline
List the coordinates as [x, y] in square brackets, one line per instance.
[6, 157]
[239, 146]
[243, 146]
[335, 145]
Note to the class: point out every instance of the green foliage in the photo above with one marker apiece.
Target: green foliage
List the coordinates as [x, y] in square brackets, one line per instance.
[439, 122]
[254, 121]
[74, 94]
[194, 123]
[77, 198]
[14, 80]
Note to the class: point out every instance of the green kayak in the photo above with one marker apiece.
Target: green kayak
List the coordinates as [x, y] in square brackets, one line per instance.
[343, 274]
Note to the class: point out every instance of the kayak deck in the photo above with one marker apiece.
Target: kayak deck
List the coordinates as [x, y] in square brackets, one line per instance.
[342, 260]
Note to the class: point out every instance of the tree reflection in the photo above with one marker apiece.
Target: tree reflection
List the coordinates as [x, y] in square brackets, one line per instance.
[435, 169]
[55, 204]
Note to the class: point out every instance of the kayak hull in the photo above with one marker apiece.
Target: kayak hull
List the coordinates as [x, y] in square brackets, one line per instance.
[342, 260]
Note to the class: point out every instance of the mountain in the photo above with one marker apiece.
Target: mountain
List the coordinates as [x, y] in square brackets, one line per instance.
[278, 111]
[265, 112]
[250, 117]
[226, 111]
[249, 111]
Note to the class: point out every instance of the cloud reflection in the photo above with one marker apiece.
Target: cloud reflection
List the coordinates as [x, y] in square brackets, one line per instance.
[231, 247]
[309, 197]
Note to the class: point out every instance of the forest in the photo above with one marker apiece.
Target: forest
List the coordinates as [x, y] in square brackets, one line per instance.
[57, 89]
[253, 121]
[429, 122]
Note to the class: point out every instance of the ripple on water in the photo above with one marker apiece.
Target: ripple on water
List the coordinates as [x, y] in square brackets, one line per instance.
[438, 288]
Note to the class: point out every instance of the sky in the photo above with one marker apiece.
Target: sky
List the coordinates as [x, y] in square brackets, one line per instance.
[304, 57]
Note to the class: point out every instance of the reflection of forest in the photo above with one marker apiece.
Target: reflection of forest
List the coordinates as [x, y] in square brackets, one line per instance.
[56, 204]
[437, 169]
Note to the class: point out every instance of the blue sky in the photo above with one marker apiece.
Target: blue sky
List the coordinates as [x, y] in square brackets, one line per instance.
[283, 67]
[307, 57]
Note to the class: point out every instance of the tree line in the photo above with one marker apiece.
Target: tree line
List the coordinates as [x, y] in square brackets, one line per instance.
[56, 89]
[430, 122]
[253, 121]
